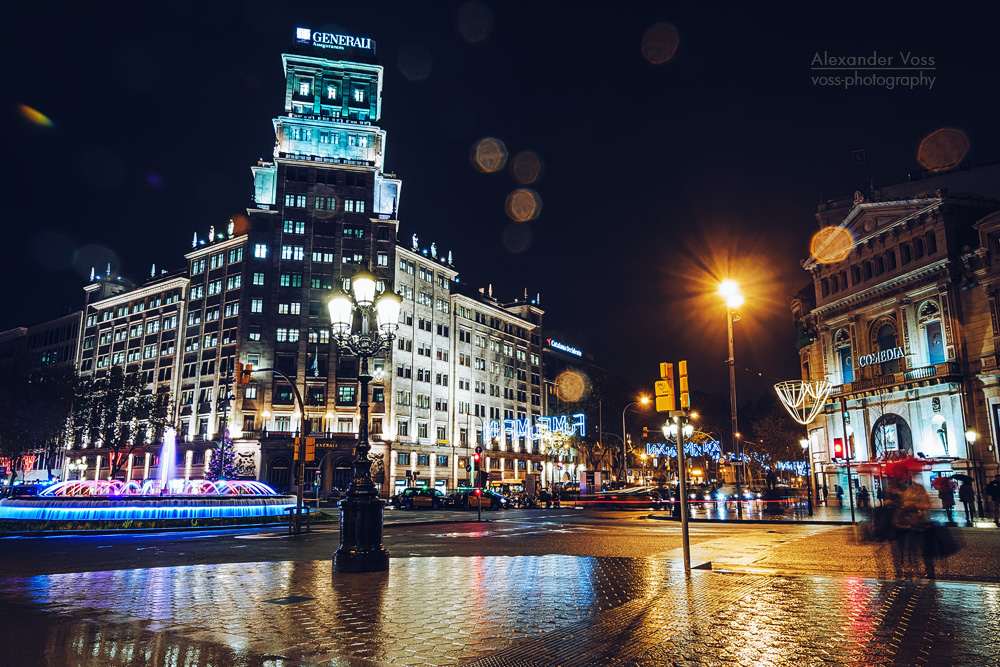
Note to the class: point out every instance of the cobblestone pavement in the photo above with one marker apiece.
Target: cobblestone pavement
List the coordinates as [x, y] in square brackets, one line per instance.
[490, 611]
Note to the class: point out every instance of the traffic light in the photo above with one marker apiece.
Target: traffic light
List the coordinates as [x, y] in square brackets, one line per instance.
[310, 449]
[682, 369]
[476, 457]
[838, 448]
[665, 389]
[645, 433]
[244, 373]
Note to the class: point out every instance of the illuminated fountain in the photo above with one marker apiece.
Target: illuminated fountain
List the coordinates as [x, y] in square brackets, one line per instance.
[161, 498]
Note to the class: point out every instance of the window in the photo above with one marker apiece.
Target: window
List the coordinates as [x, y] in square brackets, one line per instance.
[442, 305]
[233, 282]
[442, 330]
[441, 404]
[258, 278]
[382, 259]
[298, 201]
[346, 394]
[250, 391]
[442, 461]
[403, 428]
[886, 342]
[442, 434]
[296, 252]
[402, 397]
[260, 251]
[236, 255]
[422, 430]
[331, 92]
[441, 379]
[402, 459]
[359, 95]
[304, 85]
[197, 266]
[294, 227]
[256, 305]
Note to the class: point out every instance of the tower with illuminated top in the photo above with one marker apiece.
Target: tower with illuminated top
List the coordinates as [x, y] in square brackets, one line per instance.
[323, 208]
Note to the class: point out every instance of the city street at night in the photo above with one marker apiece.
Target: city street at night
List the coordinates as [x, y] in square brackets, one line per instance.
[525, 587]
[681, 349]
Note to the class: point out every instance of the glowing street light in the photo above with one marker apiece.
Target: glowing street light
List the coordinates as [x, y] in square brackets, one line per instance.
[729, 290]
[809, 489]
[361, 548]
[644, 400]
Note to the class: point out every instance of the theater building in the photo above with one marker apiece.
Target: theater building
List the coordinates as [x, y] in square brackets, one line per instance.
[903, 324]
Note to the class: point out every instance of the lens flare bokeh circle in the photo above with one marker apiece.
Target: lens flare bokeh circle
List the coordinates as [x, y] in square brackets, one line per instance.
[489, 155]
[831, 245]
[943, 149]
[570, 386]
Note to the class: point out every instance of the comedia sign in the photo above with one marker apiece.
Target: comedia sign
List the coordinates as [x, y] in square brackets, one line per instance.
[568, 425]
[881, 357]
[329, 40]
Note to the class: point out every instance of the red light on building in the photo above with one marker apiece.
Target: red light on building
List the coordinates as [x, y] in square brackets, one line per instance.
[838, 448]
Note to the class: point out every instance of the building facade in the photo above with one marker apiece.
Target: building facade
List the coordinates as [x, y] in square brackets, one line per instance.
[464, 371]
[902, 321]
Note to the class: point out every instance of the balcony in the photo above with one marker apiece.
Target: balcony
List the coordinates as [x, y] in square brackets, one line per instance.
[914, 376]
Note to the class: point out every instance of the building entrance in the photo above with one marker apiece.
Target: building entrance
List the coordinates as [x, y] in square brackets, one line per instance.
[891, 435]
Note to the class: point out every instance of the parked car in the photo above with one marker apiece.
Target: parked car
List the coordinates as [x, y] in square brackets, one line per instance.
[422, 497]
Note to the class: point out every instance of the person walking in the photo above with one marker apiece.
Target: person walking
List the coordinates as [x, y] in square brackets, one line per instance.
[993, 492]
[826, 493]
[968, 498]
[840, 494]
[946, 491]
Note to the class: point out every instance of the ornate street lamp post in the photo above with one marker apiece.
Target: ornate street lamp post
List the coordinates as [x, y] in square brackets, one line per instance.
[361, 548]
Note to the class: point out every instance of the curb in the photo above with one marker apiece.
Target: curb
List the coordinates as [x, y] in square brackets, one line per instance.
[780, 522]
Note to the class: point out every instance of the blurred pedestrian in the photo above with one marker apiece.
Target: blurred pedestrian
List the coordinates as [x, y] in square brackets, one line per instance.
[993, 491]
[968, 498]
[863, 497]
[826, 493]
[840, 494]
[946, 492]
[911, 503]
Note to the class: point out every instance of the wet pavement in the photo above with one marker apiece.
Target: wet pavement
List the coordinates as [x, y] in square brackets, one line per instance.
[506, 610]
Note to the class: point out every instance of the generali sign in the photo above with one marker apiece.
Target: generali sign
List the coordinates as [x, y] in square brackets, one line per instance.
[329, 40]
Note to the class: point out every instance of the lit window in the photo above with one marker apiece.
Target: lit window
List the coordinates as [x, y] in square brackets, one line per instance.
[359, 95]
[258, 278]
[256, 305]
[362, 141]
[304, 87]
[331, 92]
[260, 251]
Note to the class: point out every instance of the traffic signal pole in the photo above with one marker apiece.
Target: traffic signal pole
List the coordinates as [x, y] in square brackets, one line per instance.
[847, 456]
[686, 536]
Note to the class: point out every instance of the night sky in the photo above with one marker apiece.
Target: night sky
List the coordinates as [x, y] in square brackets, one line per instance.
[659, 179]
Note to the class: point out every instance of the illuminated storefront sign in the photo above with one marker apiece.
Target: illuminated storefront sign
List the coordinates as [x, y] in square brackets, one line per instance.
[880, 357]
[562, 347]
[522, 428]
[329, 40]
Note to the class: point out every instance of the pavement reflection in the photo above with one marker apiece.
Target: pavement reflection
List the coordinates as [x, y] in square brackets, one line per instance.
[515, 610]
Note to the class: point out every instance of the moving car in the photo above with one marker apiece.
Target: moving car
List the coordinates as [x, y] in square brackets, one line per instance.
[628, 499]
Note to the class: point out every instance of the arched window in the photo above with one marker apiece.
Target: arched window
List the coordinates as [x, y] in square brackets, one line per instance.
[833, 284]
[842, 347]
[929, 319]
[887, 343]
[825, 287]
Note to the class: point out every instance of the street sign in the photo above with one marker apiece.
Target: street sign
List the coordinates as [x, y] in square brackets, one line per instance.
[662, 388]
[468, 468]
[479, 450]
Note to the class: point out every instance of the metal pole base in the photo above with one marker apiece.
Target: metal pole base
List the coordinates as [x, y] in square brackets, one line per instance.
[361, 548]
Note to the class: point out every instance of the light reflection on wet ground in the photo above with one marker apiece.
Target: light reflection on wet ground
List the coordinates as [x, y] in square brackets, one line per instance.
[494, 610]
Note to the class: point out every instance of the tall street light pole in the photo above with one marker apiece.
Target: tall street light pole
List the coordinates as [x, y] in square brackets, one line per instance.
[730, 291]
[361, 548]
[809, 487]
[644, 400]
